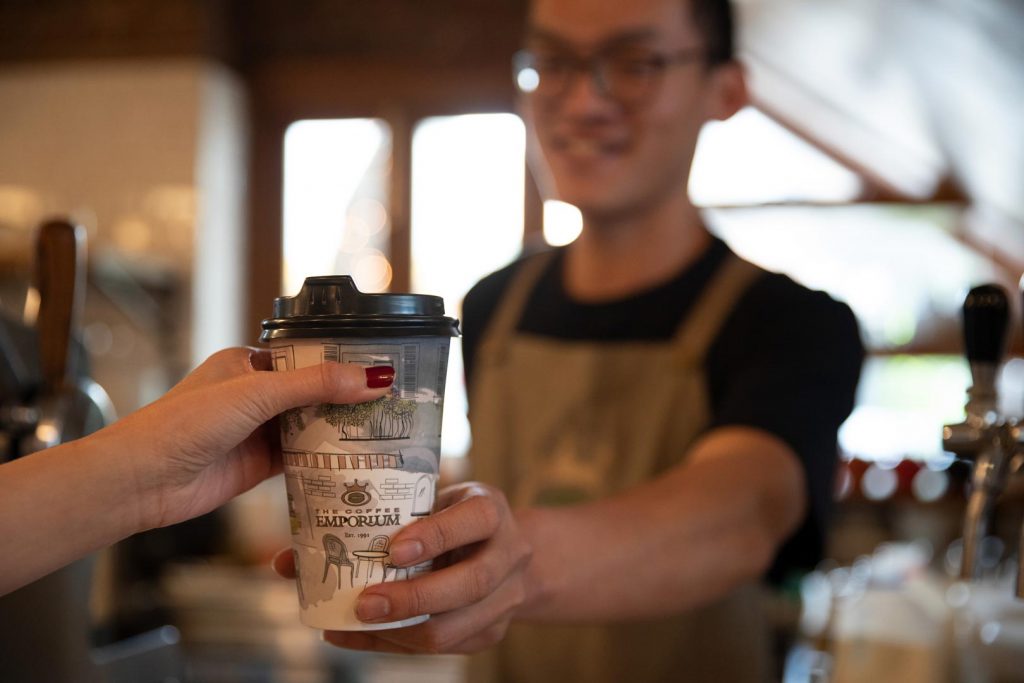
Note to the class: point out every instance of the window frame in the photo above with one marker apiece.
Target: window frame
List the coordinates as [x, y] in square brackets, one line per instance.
[398, 94]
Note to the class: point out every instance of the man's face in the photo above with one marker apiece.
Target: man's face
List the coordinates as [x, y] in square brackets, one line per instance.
[608, 157]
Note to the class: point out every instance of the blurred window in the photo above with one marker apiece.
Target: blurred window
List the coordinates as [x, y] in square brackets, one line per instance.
[900, 267]
[467, 221]
[336, 217]
[903, 401]
[750, 159]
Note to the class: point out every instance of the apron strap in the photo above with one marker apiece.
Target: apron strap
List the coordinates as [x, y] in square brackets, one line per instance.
[695, 332]
[511, 305]
[716, 303]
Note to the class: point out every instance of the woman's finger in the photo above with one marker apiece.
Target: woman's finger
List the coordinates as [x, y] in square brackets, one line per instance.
[222, 414]
[272, 393]
[224, 365]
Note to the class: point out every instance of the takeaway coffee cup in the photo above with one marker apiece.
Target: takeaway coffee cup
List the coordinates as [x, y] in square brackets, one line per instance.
[356, 474]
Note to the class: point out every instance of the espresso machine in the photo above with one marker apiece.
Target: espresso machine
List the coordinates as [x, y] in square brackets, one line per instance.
[991, 442]
[46, 395]
[47, 398]
[988, 614]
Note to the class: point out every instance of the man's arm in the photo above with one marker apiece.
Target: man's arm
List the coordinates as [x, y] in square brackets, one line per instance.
[671, 544]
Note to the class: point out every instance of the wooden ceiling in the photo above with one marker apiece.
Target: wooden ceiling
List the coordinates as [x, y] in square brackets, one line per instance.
[249, 32]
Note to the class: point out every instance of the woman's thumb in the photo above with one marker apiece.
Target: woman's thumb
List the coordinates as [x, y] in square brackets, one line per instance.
[278, 391]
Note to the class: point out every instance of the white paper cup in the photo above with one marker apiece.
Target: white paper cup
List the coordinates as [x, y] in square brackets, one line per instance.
[356, 474]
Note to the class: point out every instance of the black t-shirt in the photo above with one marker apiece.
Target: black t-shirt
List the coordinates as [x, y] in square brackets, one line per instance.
[786, 360]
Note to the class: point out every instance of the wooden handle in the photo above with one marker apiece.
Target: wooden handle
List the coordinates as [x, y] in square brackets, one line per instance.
[60, 280]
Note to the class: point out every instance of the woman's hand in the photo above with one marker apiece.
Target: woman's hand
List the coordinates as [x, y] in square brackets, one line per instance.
[478, 583]
[213, 436]
[205, 441]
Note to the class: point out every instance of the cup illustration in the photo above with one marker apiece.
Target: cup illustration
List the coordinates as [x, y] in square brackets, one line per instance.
[356, 474]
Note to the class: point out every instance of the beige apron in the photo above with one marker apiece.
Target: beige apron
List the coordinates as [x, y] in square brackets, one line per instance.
[556, 422]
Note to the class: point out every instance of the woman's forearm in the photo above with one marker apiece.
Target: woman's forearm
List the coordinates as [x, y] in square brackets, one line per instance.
[204, 442]
[60, 504]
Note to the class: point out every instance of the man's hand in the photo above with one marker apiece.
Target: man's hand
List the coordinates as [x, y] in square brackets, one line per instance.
[479, 580]
[712, 523]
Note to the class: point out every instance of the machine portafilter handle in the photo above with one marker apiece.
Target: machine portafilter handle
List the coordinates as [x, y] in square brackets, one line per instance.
[986, 323]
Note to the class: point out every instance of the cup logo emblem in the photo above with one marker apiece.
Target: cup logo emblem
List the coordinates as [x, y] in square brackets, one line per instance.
[356, 494]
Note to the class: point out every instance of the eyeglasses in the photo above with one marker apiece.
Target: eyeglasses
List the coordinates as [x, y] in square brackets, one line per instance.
[627, 77]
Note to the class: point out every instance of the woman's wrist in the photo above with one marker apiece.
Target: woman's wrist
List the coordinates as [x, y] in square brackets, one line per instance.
[112, 462]
[128, 496]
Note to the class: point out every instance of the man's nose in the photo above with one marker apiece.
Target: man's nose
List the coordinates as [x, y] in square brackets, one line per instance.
[585, 94]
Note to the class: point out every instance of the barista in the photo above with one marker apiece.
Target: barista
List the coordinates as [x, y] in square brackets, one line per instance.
[654, 419]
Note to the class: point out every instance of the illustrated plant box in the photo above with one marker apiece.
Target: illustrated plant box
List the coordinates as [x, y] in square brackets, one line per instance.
[387, 418]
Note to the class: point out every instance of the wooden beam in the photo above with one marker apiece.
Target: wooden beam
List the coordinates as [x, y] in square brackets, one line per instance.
[264, 248]
[400, 201]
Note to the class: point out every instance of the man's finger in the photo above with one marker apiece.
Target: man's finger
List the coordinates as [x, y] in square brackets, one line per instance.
[475, 518]
[464, 583]
[284, 563]
[461, 631]
[365, 641]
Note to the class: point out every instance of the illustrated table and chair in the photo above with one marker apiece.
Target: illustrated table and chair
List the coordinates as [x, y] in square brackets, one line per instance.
[375, 554]
[337, 555]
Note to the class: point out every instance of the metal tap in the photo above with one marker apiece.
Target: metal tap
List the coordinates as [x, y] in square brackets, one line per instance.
[987, 439]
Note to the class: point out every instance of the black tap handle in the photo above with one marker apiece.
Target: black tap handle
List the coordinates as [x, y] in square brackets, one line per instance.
[986, 323]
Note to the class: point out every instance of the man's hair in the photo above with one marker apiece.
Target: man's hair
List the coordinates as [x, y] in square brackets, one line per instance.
[714, 20]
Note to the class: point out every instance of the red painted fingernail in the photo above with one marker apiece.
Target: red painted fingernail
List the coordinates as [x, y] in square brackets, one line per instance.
[379, 376]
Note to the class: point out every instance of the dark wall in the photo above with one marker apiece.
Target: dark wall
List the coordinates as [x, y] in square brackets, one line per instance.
[246, 33]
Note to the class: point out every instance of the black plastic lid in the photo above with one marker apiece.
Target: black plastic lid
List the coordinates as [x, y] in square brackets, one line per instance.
[332, 306]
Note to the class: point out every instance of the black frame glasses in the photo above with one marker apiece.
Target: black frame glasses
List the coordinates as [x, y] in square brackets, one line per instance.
[624, 76]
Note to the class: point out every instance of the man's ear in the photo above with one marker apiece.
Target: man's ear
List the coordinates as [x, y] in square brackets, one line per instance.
[729, 90]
